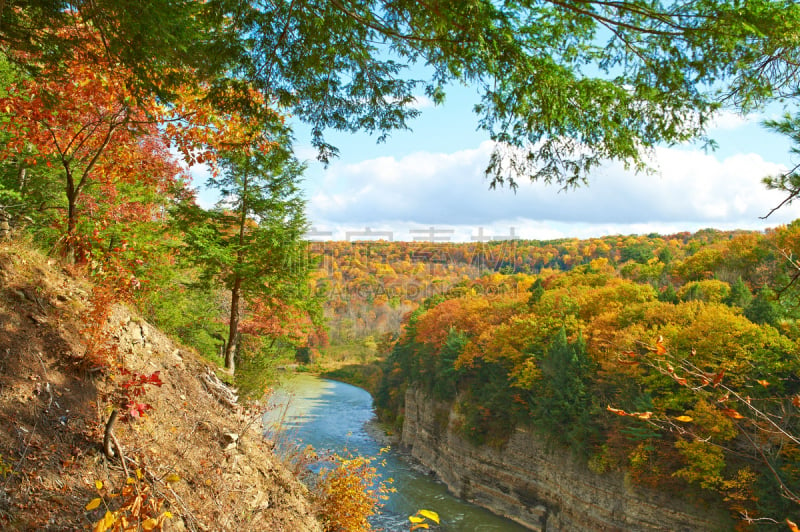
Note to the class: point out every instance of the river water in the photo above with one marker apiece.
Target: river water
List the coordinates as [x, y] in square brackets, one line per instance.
[333, 416]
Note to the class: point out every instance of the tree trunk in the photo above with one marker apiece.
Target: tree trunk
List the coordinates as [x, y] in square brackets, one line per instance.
[236, 289]
[233, 326]
[72, 220]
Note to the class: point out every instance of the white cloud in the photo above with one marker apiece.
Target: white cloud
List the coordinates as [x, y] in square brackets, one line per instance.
[422, 102]
[729, 120]
[692, 190]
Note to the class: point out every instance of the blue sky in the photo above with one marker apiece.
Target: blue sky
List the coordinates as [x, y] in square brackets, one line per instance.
[432, 177]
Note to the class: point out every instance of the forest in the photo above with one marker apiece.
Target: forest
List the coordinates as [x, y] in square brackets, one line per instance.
[673, 357]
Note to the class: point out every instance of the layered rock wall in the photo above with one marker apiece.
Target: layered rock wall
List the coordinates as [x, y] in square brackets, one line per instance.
[540, 488]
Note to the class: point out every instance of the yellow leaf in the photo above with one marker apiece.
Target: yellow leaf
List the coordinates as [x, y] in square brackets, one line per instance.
[139, 474]
[105, 523]
[433, 516]
[172, 477]
[684, 419]
[416, 519]
[149, 524]
[94, 503]
[98, 484]
[129, 480]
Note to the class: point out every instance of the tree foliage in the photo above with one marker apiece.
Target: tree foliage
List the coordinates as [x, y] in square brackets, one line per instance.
[563, 84]
[252, 242]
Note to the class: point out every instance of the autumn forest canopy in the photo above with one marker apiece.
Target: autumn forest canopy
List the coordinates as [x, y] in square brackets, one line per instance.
[672, 357]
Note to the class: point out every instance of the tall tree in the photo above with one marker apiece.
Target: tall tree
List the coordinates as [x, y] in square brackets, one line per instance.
[564, 408]
[252, 241]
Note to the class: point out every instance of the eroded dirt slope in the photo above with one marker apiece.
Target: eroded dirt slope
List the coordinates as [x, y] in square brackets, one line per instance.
[203, 462]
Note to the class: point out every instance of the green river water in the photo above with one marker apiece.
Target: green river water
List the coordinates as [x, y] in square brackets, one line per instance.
[333, 416]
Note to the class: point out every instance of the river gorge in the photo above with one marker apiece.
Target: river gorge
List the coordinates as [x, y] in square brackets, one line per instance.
[337, 417]
[533, 486]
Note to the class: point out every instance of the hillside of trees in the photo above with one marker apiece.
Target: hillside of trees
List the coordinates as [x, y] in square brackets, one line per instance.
[671, 358]
[367, 287]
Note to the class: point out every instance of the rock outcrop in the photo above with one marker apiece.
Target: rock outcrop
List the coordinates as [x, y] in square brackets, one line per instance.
[540, 488]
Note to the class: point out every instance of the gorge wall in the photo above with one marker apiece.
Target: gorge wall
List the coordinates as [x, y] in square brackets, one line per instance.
[539, 488]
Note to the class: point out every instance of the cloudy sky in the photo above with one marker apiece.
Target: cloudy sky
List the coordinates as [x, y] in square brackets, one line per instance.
[433, 177]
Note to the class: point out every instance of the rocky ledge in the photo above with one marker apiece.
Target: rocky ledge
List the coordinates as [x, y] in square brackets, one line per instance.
[538, 487]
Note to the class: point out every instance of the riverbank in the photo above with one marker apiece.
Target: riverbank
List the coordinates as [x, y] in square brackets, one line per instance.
[333, 416]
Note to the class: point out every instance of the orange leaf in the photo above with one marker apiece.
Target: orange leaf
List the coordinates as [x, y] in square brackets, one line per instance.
[660, 349]
[763, 383]
[643, 415]
[616, 411]
[792, 526]
[731, 413]
[796, 401]
[718, 377]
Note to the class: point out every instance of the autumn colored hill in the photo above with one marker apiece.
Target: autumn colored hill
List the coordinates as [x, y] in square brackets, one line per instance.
[192, 459]
[674, 360]
[367, 287]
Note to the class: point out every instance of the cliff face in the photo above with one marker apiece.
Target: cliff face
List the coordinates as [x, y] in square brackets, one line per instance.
[538, 488]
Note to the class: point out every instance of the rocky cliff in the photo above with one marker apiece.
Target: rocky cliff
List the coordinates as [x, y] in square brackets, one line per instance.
[540, 488]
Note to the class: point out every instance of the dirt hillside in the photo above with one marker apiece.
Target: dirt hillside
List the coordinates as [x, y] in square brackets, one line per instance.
[192, 462]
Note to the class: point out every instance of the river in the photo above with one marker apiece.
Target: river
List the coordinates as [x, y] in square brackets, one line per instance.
[334, 416]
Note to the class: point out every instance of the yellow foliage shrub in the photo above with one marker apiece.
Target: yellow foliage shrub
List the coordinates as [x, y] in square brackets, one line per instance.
[349, 492]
